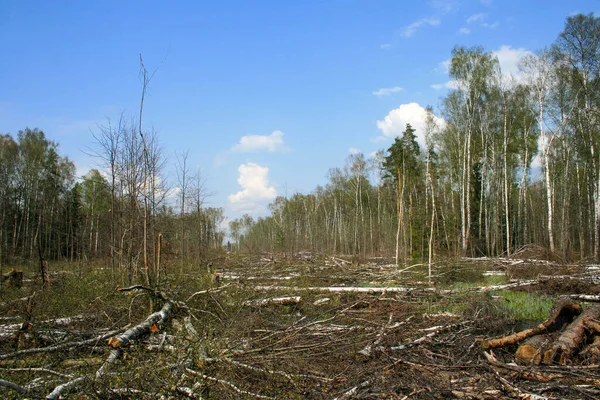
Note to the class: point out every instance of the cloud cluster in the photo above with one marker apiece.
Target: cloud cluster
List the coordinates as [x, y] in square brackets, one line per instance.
[479, 19]
[256, 189]
[253, 143]
[410, 30]
[387, 91]
[509, 60]
[411, 113]
[440, 8]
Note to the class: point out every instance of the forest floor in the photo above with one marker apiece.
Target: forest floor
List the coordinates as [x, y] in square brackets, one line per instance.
[308, 328]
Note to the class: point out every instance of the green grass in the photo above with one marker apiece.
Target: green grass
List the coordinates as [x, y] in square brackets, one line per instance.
[526, 306]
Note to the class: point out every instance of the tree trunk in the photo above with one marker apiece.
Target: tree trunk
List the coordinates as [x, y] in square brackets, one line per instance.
[506, 187]
[574, 336]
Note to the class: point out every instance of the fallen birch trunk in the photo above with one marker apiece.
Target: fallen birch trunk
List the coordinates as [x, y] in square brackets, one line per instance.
[283, 301]
[61, 346]
[586, 297]
[393, 289]
[149, 325]
[55, 394]
[339, 289]
[57, 322]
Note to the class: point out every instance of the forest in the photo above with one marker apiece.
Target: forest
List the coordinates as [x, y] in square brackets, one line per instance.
[512, 163]
[492, 229]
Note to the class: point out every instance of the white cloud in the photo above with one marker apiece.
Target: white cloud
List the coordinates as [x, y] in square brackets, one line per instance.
[451, 84]
[444, 67]
[481, 20]
[256, 189]
[252, 143]
[409, 30]
[444, 6]
[385, 46]
[387, 91]
[509, 59]
[224, 225]
[480, 17]
[411, 113]
[490, 26]
[353, 150]
[464, 31]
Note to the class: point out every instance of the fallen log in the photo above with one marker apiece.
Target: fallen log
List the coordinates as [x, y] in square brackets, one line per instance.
[60, 389]
[13, 386]
[282, 301]
[394, 289]
[593, 325]
[61, 346]
[339, 289]
[586, 297]
[535, 349]
[563, 312]
[591, 353]
[149, 325]
[573, 337]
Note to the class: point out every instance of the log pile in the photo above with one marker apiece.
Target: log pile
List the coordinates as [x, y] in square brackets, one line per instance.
[570, 335]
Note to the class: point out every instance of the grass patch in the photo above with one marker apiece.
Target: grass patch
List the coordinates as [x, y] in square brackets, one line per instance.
[526, 306]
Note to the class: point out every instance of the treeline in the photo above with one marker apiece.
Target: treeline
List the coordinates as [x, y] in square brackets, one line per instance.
[123, 216]
[514, 162]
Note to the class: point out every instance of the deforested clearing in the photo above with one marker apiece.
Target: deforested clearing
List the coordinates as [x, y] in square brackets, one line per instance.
[296, 336]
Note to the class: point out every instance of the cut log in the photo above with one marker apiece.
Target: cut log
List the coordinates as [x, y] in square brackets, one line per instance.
[591, 353]
[573, 337]
[563, 313]
[593, 325]
[146, 327]
[532, 351]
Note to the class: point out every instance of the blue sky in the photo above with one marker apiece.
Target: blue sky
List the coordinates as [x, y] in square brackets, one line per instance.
[266, 95]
